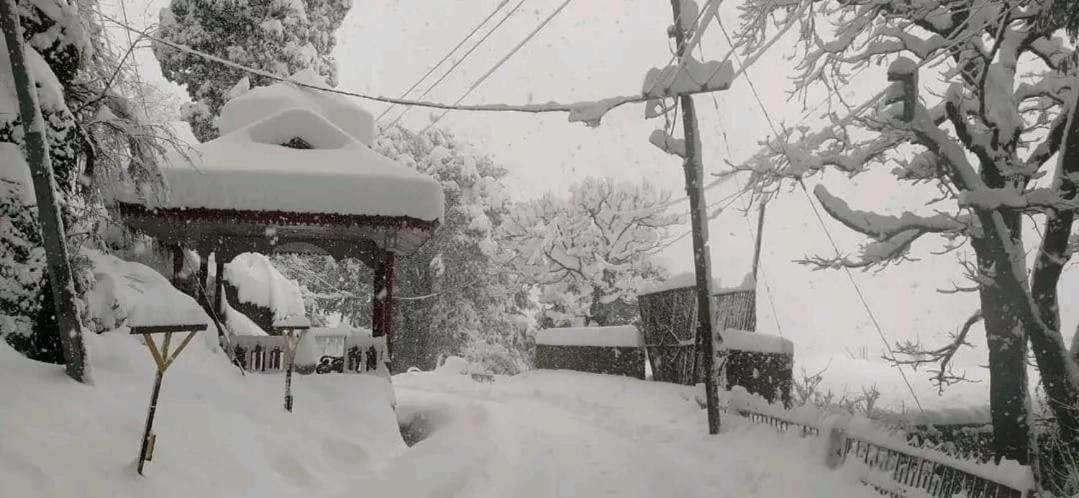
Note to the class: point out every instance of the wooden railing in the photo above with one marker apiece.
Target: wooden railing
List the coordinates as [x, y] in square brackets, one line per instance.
[895, 470]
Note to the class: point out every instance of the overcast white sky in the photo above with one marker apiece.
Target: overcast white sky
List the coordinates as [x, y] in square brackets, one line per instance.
[599, 48]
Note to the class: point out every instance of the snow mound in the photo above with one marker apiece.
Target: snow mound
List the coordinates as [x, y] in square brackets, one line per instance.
[133, 294]
[621, 336]
[258, 282]
[259, 103]
[219, 433]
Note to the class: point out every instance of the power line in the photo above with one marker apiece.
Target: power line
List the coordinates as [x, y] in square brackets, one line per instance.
[463, 57]
[609, 103]
[444, 58]
[820, 219]
[500, 62]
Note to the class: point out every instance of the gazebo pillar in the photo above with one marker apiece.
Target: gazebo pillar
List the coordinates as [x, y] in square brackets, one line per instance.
[382, 301]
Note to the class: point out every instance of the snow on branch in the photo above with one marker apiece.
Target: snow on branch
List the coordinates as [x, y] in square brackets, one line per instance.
[915, 355]
[667, 143]
[879, 226]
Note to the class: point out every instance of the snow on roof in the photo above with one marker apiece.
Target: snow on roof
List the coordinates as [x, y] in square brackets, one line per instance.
[133, 294]
[743, 340]
[622, 336]
[689, 279]
[249, 170]
[263, 102]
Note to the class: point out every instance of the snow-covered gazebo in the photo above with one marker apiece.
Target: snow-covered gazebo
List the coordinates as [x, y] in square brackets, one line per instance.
[293, 171]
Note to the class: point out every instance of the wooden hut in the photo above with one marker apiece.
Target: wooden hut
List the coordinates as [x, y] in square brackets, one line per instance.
[616, 350]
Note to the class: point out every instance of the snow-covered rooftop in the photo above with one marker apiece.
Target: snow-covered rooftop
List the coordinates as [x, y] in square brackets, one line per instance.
[249, 169]
[260, 103]
[623, 336]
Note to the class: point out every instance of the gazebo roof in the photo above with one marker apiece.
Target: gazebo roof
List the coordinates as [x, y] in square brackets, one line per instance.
[291, 178]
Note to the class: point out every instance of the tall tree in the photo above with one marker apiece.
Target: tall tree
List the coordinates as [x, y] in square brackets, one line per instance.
[589, 254]
[274, 36]
[98, 138]
[983, 142]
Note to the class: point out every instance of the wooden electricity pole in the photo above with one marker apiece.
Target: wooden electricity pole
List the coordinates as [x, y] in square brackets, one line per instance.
[52, 227]
[694, 170]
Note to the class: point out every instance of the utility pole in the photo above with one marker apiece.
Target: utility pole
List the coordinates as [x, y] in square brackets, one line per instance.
[52, 227]
[702, 264]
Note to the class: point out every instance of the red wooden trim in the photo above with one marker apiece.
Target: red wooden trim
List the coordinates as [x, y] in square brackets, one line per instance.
[277, 217]
[161, 329]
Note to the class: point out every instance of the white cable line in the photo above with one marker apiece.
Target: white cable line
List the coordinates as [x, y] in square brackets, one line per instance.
[444, 58]
[499, 64]
[460, 61]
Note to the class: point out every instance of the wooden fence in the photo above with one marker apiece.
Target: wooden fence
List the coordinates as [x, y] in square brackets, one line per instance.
[347, 354]
[897, 471]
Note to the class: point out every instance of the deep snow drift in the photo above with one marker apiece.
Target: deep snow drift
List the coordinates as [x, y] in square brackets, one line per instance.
[541, 434]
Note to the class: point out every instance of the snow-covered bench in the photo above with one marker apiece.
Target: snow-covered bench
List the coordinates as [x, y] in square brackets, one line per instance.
[615, 350]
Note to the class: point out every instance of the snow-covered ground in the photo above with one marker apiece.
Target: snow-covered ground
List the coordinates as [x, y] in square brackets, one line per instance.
[540, 434]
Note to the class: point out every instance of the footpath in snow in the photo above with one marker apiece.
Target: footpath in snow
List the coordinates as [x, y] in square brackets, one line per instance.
[223, 434]
[568, 434]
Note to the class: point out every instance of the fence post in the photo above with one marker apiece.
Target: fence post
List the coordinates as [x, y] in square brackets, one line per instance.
[837, 446]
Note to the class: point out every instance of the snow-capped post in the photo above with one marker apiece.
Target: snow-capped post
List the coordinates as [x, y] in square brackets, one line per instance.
[52, 227]
[694, 171]
[905, 72]
[294, 329]
[162, 360]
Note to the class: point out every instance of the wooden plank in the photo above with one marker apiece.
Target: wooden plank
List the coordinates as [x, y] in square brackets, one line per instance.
[156, 354]
[183, 344]
[161, 329]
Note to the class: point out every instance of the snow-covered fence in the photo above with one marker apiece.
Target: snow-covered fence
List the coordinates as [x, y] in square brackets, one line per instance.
[320, 351]
[605, 350]
[889, 464]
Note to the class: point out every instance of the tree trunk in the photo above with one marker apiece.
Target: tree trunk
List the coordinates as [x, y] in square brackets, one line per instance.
[1005, 335]
[1057, 367]
[52, 227]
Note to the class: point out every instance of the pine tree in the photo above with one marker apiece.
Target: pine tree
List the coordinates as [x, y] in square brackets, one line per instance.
[277, 36]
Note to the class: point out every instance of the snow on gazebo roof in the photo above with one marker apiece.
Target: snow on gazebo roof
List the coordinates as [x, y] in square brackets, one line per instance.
[262, 102]
[294, 161]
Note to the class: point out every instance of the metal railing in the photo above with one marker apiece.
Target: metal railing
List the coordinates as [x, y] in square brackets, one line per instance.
[897, 473]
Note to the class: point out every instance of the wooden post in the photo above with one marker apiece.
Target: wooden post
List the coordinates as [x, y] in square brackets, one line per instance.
[292, 343]
[177, 265]
[162, 361]
[381, 304]
[48, 211]
[760, 238]
[694, 172]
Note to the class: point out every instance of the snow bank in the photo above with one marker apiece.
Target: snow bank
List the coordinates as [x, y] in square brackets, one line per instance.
[240, 324]
[759, 343]
[260, 103]
[133, 294]
[678, 281]
[258, 282]
[248, 170]
[219, 433]
[622, 336]
[15, 181]
[689, 279]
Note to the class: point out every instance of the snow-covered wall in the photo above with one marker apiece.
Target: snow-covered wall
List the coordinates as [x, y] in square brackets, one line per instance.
[257, 282]
[621, 336]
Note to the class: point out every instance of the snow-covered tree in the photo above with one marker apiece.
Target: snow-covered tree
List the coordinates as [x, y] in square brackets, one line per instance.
[97, 136]
[589, 254]
[277, 36]
[984, 141]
